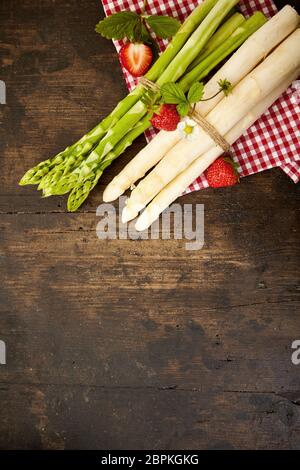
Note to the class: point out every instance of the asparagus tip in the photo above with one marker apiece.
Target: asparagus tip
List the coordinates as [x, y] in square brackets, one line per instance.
[111, 193]
[127, 215]
[141, 225]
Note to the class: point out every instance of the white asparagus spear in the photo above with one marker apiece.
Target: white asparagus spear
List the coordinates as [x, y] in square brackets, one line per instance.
[147, 158]
[258, 84]
[234, 70]
[178, 185]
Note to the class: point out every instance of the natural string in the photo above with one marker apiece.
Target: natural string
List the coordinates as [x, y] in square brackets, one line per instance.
[149, 85]
[211, 131]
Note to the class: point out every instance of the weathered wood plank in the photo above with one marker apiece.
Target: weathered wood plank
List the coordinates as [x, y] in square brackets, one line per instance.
[94, 418]
[108, 301]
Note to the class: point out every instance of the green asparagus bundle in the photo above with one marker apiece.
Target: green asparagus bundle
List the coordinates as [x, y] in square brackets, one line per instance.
[79, 167]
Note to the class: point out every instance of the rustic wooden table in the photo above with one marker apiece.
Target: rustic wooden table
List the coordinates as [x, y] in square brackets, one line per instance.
[132, 344]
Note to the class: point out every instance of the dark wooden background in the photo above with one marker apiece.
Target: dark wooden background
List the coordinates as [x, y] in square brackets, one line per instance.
[132, 344]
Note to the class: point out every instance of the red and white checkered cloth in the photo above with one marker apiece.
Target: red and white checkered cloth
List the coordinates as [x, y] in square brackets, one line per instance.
[274, 140]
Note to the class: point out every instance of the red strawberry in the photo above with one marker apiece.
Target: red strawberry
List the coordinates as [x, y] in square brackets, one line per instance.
[167, 118]
[222, 172]
[136, 58]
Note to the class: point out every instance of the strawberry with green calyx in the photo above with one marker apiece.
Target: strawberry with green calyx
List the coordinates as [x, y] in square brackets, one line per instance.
[166, 118]
[222, 172]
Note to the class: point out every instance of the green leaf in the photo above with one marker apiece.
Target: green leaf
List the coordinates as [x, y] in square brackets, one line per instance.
[163, 26]
[196, 92]
[183, 109]
[172, 93]
[119, 25]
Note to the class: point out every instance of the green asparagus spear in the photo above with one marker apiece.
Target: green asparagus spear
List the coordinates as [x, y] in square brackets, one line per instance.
[35, 174]
[222, 33]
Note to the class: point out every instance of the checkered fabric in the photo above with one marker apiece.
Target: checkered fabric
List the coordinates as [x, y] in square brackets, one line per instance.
[274, 140]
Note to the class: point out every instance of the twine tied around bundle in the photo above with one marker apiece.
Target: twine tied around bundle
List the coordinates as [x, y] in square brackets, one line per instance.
[149, 85]
[200, 120]
[211, 131]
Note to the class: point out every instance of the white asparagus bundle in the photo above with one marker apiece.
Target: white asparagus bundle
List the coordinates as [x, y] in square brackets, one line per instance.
[255, 49]
[234, 70]
[178, 185]
[253, 88]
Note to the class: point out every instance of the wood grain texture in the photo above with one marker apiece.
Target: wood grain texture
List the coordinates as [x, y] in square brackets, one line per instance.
[122, 343]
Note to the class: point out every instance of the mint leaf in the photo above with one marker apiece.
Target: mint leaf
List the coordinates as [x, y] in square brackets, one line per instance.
[183, 108]
[163, 26]
[119, 25]
[172, 93]
[196, 92]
